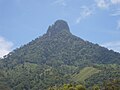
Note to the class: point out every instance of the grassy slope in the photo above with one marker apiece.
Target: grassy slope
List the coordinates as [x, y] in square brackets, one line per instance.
[85, 73]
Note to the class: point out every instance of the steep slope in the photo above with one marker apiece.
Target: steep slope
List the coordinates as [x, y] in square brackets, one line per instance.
[60, 45]
[52, 59]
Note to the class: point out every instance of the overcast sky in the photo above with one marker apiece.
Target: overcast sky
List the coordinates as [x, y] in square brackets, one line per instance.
[21, 21]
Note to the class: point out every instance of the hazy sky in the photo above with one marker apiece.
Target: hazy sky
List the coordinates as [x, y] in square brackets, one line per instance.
[21, 21]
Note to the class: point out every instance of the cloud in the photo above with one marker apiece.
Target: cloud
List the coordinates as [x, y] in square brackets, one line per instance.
[115, 1]
[103, 4]
[118, 26]
[114, 45]
[116, 13]
[60, 2]
[86, 12]
[5, 46]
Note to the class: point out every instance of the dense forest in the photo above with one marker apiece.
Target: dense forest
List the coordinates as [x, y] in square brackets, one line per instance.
[106, 85]
[62, 60]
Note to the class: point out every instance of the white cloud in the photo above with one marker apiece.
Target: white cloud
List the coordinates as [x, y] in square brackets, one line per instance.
[118, 26]
[115, 45]
[86, 11]
[115, 1]
[60, 2]
[102, 4]
[116, 13]
[5, 47]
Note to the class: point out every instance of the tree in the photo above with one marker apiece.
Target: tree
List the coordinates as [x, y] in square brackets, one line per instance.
[95, 87]
[80, 87]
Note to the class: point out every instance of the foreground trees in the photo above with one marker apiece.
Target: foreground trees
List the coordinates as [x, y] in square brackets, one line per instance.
[107, 85]
[68, 87]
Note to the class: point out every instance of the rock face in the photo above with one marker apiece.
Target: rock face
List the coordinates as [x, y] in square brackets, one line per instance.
[58, 26]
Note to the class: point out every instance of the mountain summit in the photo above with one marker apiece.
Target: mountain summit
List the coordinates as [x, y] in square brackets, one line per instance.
[58, 26]
[55, 58]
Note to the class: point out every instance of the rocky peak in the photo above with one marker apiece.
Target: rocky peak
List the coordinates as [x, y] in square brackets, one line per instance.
[58, 26]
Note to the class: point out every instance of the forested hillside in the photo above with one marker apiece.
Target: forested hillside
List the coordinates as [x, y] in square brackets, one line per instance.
[56, 58]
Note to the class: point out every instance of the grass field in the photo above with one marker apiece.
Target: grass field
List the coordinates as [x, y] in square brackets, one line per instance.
[85, 73]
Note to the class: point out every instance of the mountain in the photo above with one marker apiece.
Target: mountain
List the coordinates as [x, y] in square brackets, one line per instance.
[55, 58]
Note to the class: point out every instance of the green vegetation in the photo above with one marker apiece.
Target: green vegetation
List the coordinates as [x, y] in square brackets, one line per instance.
[85, 73]
[109, 71]
[108, 85]
[56, 58]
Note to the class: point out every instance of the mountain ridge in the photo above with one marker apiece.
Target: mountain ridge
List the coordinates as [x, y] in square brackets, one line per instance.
[53, 58]
[60, 38]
